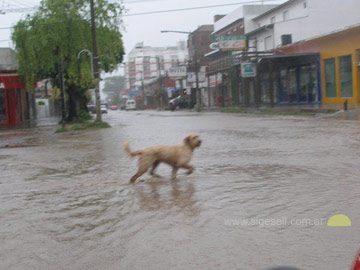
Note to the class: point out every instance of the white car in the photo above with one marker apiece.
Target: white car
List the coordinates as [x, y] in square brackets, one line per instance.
[130, 105]
[103, 109]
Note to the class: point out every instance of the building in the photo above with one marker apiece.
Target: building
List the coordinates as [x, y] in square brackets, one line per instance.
[199, 42]
[14, 100]
[148, 64]
[339, 62]
[225, 86]
[295, 65]
[298, 20]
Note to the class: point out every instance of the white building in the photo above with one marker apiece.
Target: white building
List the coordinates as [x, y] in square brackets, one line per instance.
[298, 20]
[146, 63]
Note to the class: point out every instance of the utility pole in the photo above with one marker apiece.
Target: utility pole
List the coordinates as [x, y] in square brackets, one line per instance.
[62, 91]
[96, 62]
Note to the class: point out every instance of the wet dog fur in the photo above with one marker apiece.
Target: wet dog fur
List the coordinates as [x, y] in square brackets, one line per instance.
[177, 156]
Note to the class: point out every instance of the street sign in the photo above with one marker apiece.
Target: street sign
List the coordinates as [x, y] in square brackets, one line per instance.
[248, 69]
[232, 43]
[177, 72]
[214, 46]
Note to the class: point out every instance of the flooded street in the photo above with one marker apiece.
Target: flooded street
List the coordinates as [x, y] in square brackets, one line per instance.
[65, 201]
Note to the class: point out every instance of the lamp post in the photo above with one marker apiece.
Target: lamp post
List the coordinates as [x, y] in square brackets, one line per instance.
[197, 90]
[91, 60]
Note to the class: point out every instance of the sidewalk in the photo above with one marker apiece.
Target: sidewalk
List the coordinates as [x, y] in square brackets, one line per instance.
[315, 110]
[28, 133]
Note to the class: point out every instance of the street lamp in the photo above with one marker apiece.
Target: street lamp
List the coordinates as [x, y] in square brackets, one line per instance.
[195, 59]
[91, 58]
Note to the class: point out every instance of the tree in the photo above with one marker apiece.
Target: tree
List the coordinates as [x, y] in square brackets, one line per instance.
[58, 31]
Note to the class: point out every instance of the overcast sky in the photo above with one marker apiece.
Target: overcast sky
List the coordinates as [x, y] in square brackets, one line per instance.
[140, 28]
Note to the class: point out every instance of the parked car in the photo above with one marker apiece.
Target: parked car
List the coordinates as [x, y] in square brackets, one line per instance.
[103, 109]
[91, 108]
[130, 105]
[180, 102]
[114, 107]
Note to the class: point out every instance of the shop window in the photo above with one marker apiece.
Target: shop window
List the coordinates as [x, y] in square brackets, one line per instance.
[346, 81]
[330, 78]
[292, 87]
[2, 108]
[308, 83]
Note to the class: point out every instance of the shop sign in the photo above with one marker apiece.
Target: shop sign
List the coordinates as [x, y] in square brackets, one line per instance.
[248, 70]
[232, 43]
[177, 72]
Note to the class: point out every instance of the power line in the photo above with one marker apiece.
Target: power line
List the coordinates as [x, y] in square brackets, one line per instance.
[180, 9]
[194, 8]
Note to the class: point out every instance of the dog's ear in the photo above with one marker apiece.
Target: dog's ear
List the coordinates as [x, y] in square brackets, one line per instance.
[187, 139]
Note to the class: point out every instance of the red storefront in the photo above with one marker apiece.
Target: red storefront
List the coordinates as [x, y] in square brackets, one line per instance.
[12, 100]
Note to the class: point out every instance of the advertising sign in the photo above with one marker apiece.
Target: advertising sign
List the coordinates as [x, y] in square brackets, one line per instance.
[234, 43]
[248, 70]
[177, 72]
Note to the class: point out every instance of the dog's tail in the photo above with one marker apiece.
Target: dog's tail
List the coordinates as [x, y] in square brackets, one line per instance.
[129, 152]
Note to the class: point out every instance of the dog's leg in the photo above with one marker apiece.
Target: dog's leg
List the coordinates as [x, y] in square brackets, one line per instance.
[139, 173]
[155, 164]
[174, 171]
[189, 168]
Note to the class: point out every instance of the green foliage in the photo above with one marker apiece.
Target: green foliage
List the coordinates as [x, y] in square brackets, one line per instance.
[59, 30]
[82, 117]
[197, 108]
[41, 102]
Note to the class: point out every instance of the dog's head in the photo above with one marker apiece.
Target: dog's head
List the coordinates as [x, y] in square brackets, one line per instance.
[192, 140]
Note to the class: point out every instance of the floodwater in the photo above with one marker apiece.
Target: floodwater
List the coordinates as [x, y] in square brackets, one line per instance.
[65, 201]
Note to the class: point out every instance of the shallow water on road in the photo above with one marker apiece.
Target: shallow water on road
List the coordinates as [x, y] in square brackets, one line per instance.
[65, 202]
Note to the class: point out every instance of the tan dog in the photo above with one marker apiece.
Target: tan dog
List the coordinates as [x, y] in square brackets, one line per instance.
[177, 156]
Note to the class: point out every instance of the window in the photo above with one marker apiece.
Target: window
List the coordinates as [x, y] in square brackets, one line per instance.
[308, 83]
[273, 19]
[285, 15]
[305, 4]
[345, 66]
[330, 78]
[268, 43]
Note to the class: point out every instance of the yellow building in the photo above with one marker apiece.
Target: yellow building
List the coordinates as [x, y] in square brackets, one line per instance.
[340, 67]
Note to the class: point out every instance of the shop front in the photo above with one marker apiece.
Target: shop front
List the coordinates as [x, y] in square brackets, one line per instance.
[340, 60]
[296, 78]
[12, 100]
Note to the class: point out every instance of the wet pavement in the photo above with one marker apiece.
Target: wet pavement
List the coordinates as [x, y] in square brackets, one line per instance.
[65, 202]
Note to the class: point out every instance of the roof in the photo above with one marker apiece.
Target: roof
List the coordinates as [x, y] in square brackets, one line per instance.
[205, 28]
[275, 8]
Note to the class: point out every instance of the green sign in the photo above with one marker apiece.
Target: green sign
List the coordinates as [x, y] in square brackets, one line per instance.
[248, 69]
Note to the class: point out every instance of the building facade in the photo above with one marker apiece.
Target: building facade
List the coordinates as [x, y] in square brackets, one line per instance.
[316, 63]
[14, 100]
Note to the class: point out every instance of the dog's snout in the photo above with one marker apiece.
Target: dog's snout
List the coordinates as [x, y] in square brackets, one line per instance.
[199, 142]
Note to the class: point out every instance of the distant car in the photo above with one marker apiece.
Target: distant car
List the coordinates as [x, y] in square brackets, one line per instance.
[130, 105]
[122, 107]
[114, 107]
[91, 108]
[180, 102]
[103, 109]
